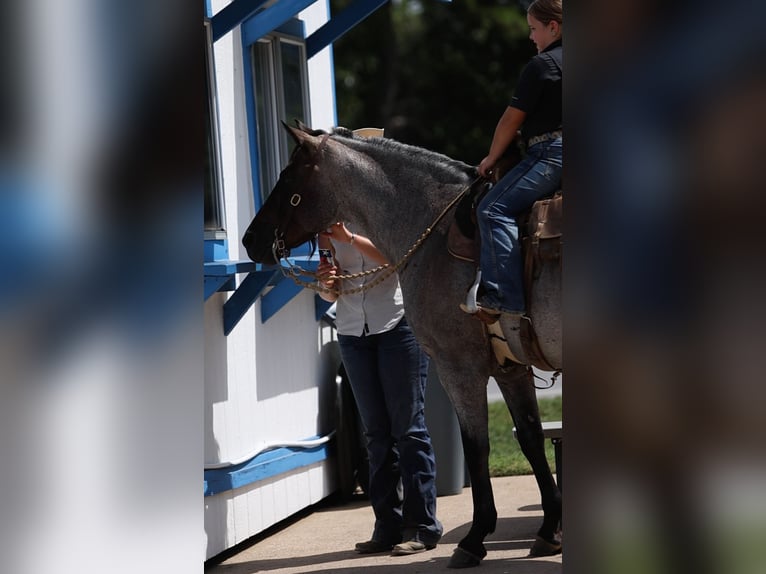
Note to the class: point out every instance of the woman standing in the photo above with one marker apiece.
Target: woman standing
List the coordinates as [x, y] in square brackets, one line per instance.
[387, 371]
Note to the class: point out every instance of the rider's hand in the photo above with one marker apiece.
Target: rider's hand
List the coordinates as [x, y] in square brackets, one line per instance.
[486, 166]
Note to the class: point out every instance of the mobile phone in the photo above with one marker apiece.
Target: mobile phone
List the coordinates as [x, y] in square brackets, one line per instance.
[326, 255]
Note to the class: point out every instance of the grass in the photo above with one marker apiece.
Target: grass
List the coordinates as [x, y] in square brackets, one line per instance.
[505, 456]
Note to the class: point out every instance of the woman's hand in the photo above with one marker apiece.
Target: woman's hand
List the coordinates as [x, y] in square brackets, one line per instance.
[326, 273]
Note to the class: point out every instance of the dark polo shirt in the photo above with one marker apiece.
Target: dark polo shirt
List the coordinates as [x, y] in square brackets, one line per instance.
[538, 92]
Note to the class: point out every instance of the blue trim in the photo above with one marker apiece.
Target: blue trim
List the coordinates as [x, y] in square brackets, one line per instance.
[273, 17]
[216, 250]
[285, 290]
[252, 128]
[265, 465]
[247, 292]
[339, 24]
[216, 284]
[230, 267]
[282, 293]
[231, 15]
[252, 31]
[219, 275]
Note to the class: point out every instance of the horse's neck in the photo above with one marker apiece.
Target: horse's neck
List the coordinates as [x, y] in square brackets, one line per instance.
[391, 202]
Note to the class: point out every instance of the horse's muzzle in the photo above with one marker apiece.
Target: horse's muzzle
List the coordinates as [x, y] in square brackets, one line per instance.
[258, 241]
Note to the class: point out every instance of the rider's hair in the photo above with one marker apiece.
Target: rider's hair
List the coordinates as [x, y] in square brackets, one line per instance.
[546, 11]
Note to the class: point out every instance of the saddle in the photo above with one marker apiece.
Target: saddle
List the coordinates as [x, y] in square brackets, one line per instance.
[541, 230]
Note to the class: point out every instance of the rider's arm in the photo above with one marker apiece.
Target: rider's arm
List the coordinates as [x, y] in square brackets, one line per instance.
[505, 131]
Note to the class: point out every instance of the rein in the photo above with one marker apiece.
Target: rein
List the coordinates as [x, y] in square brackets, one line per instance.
[294, 271]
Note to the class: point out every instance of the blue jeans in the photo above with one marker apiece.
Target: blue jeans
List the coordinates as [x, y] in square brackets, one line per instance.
[388, 374]
[501, 257]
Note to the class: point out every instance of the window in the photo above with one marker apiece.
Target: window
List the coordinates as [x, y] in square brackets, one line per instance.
[280, 86]
[214, 213]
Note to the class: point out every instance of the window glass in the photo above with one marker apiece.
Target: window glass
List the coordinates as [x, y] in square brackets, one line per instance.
[265, 104]
[280, 95]
[292, 83]
[214, 220]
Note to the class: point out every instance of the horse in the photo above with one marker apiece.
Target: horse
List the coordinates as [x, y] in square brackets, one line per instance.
[397, 195]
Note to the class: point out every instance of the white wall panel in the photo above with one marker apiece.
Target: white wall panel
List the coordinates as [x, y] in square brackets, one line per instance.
[266, 382]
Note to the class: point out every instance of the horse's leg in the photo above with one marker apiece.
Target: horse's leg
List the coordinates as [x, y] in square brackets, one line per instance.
[517, 386]
[469, 397]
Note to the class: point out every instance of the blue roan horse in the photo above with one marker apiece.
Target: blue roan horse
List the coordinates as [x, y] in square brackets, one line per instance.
[392, 193]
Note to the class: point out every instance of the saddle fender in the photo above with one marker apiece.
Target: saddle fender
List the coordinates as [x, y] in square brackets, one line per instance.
[535, 338]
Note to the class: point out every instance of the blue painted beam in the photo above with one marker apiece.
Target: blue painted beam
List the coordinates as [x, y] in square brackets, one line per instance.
[282, 293]
[265, 465]
[229, 267]
[232, 15]
[340, 24]
[241, 300]
[286, 289]
[213, 284]
[219, 275]
[273, 17]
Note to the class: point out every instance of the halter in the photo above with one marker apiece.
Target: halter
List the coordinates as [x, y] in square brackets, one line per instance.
[278, 247]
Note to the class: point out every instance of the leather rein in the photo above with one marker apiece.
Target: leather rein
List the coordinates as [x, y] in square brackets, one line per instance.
[294, 272]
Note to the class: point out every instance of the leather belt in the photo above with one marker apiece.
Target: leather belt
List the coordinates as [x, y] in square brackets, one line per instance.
[544, 138]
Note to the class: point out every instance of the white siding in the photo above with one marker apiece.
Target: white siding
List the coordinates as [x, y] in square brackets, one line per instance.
[273, 382]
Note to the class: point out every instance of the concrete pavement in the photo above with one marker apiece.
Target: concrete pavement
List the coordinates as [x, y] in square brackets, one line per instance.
[322, 539]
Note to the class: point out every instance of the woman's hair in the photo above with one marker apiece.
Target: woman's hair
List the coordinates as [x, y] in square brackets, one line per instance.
[546, 10]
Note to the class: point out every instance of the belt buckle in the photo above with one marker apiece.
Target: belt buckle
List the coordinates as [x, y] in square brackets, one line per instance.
[543, 138]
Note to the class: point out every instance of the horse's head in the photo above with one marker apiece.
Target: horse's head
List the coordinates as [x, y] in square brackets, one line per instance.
[296, 209]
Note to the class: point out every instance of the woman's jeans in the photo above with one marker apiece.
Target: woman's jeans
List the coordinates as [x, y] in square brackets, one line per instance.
[501, 258]
[388, 373]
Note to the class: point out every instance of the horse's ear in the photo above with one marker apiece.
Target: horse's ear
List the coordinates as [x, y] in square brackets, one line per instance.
[301, 126]
[297, 134]
[301, 138]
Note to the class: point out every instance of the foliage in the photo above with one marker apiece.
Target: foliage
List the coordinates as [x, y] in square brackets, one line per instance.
[433, 74]
[505, 456]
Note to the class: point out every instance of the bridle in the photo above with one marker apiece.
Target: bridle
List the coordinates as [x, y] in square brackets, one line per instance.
[278, 248]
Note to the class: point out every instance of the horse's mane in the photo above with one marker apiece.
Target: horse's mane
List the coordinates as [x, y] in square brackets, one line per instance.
[430, 159]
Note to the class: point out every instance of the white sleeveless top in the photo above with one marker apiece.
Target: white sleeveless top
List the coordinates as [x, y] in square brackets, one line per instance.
[370, 312]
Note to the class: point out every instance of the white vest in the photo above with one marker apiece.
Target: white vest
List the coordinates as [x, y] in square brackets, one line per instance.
[370, 312]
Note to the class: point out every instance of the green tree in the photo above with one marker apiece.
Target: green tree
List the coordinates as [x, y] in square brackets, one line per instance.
[433, 74]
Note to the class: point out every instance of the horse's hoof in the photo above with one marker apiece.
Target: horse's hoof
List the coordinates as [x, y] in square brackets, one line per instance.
[461, 558]
[542, 547]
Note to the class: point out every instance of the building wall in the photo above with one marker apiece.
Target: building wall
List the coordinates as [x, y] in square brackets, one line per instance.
[266, 383]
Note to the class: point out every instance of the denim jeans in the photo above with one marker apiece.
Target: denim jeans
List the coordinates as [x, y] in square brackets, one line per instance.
[501, 257]
[388, 373]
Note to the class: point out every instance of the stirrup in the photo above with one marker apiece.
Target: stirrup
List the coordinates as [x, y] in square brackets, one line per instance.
[471, 306]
